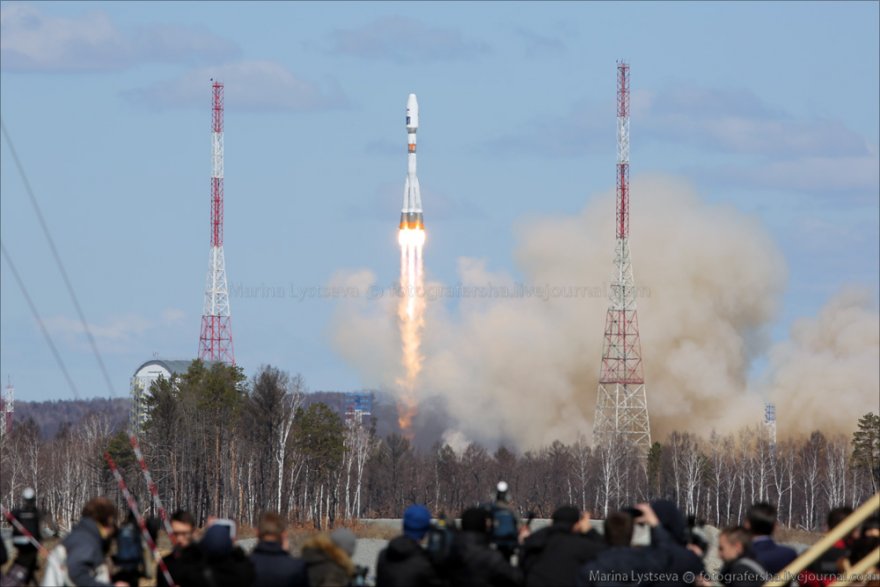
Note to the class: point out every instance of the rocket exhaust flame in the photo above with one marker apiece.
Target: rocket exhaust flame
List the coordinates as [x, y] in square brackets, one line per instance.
[411, 314]
[411, 308]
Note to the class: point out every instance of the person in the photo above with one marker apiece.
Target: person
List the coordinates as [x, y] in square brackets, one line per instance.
[87, 545]
[761, 522]
[129, 557]
[272, 562]
[472, 561]
[669, 543]
[863, 547]
[328, 558]
[226, 565]
[620, 564]
[29, 516]
[552, 555]
[505, 523]
[186, 561]
[404, 563]
[739, 569]
[824, 570]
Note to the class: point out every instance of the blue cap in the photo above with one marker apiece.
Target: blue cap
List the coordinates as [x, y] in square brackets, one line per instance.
[416, 521]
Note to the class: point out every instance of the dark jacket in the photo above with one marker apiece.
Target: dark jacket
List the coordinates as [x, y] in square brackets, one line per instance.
[680, 565]
[274, 567]
[473, 563]
[404, 564]
[86, 551]
[743, 572]
[186, 566]
[232, 570]
[619, 566]
[326, 564]
[773, 557]
[824, 570]
[553, 555]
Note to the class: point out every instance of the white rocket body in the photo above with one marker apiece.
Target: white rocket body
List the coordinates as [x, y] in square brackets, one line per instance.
[411, 213]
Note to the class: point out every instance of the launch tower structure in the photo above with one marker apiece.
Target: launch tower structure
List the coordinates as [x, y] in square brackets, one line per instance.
[622, 405]
[7, 409]
[770, 422]
[215, 341]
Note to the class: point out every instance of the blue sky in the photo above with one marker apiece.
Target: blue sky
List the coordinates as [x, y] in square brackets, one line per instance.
[769, 107]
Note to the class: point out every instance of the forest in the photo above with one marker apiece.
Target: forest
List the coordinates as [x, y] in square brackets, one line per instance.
[218, 443]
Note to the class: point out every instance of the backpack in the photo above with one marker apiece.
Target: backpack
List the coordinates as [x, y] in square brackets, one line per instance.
[504, 530]
[438, 542]
[128, 546]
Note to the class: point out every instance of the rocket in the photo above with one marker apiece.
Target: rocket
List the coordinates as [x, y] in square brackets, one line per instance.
[411, 214]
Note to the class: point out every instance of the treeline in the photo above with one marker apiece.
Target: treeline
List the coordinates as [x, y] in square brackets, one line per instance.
[51, 416]
[220, 444]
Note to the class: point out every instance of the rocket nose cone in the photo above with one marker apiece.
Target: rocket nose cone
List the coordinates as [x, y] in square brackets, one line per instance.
[412, 113]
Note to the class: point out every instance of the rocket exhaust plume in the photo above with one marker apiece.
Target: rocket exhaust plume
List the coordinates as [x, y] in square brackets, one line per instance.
[411, 307]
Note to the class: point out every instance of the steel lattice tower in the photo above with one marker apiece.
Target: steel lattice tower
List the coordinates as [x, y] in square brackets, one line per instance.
[7, 409]
[621, 405]
[215, 341]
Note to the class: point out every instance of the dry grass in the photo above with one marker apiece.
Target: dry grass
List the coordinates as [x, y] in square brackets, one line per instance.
[796, 536]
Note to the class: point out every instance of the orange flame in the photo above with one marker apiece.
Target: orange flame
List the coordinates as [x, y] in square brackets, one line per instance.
[411, 314]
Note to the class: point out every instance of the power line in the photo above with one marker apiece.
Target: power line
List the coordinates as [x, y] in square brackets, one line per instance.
[39, 320]
[48, 235]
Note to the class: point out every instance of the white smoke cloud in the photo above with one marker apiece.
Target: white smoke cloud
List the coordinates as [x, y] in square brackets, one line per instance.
[522, 366]
[826, 376]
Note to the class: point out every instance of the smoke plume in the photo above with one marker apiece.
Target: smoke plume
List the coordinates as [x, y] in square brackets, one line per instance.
[516, 359]
[826, 376]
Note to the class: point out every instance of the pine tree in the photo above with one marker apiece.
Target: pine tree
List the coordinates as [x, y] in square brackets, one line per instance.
[866, 448]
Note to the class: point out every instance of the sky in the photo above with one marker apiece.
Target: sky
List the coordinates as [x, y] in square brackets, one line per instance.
[771, 108]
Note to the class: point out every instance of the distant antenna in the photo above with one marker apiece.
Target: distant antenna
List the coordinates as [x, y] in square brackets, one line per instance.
[215, 340]
[622, 405]
[770, 422]
[7, 406]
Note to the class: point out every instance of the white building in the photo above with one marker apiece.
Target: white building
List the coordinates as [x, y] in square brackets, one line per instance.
[143, 378]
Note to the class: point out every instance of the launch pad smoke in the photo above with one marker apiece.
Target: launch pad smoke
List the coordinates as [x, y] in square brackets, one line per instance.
[526, 368]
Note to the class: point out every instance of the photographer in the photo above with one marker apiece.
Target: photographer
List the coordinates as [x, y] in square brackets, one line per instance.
[505, 523]
[473, 563]
[552, 555]
[30, 517]
[669, 539]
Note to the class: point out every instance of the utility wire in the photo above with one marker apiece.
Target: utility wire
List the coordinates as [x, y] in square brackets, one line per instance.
[48, 235]
[46, 335]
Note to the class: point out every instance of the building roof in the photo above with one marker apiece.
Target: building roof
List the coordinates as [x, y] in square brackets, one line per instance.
[175, 367]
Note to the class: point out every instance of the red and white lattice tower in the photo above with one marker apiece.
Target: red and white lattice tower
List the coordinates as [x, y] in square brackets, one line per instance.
[622, 406]
[215, 341]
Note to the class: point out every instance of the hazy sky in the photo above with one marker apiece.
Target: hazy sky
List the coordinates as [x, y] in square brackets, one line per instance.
[769, 107]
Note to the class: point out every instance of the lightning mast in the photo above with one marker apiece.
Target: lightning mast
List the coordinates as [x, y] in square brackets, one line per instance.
[7, 407]
[621, 405]
[215, 341]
